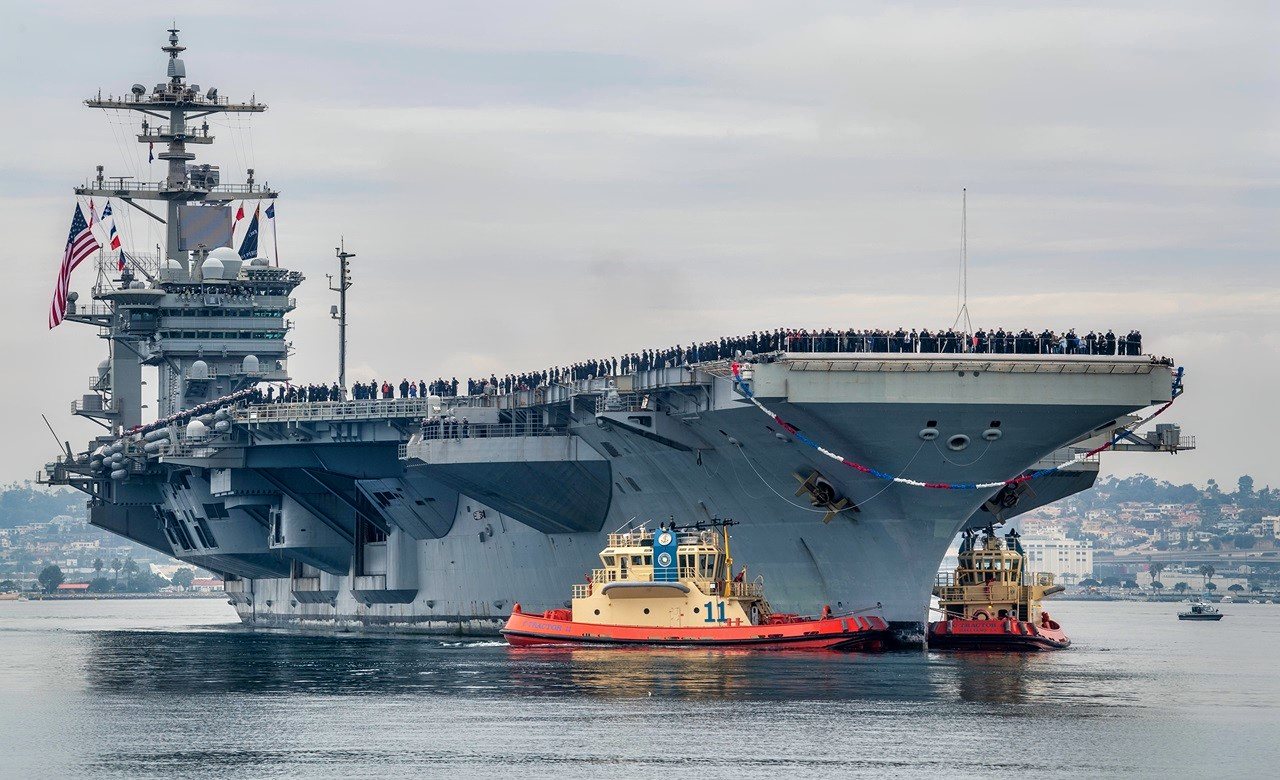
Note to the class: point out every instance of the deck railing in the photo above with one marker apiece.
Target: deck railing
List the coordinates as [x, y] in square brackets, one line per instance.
[947, 588]
[604, 576]
[401, 408]
[438, 430]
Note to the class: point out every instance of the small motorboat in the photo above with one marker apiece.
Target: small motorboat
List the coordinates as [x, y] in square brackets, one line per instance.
[1200, 611]
[991, 603]
[675, 587]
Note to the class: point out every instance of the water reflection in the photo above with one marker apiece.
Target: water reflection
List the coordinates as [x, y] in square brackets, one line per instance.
[1141, 694]
[239, 662]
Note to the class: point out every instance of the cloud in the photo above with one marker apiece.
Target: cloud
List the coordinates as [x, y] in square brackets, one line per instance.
[532, 184]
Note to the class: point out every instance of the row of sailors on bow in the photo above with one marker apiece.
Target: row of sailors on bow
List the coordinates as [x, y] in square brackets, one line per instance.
[997, 341]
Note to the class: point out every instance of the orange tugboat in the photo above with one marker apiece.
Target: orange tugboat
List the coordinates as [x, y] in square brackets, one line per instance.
[675, 587]
[991, 602]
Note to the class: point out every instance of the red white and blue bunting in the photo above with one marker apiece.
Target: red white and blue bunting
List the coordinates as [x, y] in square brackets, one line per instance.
[799, 436]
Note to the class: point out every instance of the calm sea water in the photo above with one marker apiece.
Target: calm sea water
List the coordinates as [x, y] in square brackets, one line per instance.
[134, 689]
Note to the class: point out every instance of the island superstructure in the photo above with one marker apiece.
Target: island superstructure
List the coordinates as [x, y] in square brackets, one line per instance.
[388, 515]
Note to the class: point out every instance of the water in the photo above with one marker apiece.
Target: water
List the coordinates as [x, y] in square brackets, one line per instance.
[134, 689]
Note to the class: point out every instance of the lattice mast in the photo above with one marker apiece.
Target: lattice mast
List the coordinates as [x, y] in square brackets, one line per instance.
[178, 103]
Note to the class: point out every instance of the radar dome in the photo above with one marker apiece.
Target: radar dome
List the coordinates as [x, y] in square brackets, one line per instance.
[224, 253]
[212, 268]
[197, 430]
[230, 260]
[198, 370]
[172, 269]
[250, 364]
[259, 262]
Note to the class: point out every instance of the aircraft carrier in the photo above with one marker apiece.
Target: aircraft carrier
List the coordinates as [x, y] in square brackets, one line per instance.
[389, 514]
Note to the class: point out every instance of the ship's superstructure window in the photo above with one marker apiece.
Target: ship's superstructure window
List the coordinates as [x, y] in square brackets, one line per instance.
[272, 335]
[177, 531]
[203, 525]
[239, 312]
[370, 533]
[216, 511]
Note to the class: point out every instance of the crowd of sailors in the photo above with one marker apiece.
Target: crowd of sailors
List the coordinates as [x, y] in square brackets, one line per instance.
[999, 341]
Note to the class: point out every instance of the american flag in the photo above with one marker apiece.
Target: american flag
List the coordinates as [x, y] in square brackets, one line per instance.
[80, 244]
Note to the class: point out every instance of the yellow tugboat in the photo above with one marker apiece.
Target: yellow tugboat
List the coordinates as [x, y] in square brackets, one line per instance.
[991, 602]
[676, 587]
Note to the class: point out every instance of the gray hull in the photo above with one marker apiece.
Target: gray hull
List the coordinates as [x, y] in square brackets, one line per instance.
[724, 459]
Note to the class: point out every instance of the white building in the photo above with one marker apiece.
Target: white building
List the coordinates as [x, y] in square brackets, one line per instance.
[1059, 555]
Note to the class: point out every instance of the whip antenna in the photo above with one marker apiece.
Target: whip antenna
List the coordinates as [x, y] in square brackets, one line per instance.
[963, 323]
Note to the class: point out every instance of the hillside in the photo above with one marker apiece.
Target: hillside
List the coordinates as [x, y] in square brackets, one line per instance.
[23, 503]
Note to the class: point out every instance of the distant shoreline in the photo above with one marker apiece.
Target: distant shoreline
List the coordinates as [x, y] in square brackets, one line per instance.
[1164, 598]
[117, 596]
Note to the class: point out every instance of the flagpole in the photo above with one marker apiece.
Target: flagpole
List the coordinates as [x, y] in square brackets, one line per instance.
[275, 241]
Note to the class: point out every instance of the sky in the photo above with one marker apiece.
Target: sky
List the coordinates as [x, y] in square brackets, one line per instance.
[528, 184]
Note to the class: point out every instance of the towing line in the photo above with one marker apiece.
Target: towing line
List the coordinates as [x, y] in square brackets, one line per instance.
[799, 436]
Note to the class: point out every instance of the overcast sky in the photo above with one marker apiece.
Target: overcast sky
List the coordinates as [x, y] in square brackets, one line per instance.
[535, 183]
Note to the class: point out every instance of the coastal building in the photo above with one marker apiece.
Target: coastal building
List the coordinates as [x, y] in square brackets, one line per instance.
[206, 584]
[1059, 555]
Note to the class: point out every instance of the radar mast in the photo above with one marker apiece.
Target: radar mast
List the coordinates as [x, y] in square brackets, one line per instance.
[178, 103]
[210, 319]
